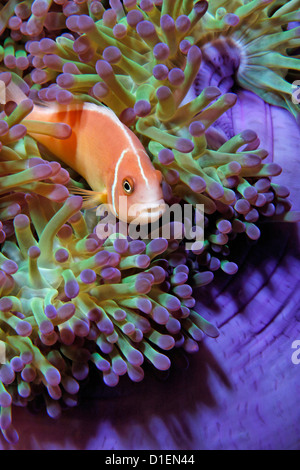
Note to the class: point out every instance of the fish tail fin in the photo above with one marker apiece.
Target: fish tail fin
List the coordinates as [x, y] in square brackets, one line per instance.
[14, 93]
[91, 199]
[14, 88]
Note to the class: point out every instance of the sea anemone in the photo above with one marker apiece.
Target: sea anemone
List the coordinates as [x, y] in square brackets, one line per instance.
[250, 44]
[70, 299]
[142, 60]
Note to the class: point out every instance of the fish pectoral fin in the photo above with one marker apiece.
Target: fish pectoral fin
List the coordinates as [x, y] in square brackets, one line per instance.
[94, 202]
[91, 199]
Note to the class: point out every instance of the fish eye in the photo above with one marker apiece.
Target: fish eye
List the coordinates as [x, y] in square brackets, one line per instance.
[127, 185]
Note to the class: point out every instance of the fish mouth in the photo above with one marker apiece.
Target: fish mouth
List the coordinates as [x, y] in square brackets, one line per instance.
[145, 213]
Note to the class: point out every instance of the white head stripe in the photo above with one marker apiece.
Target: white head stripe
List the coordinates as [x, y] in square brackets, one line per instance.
[114, 185]
[141, 169]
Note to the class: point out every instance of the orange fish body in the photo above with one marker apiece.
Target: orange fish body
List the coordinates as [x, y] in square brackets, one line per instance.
[107, 155]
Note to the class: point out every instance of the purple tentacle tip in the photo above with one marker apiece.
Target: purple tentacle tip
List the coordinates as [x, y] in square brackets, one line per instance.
[142, 108]
[166, 156]
[184, 145]
[72, 289]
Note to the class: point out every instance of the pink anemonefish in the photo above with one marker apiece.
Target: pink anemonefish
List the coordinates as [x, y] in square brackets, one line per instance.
[107, 154]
